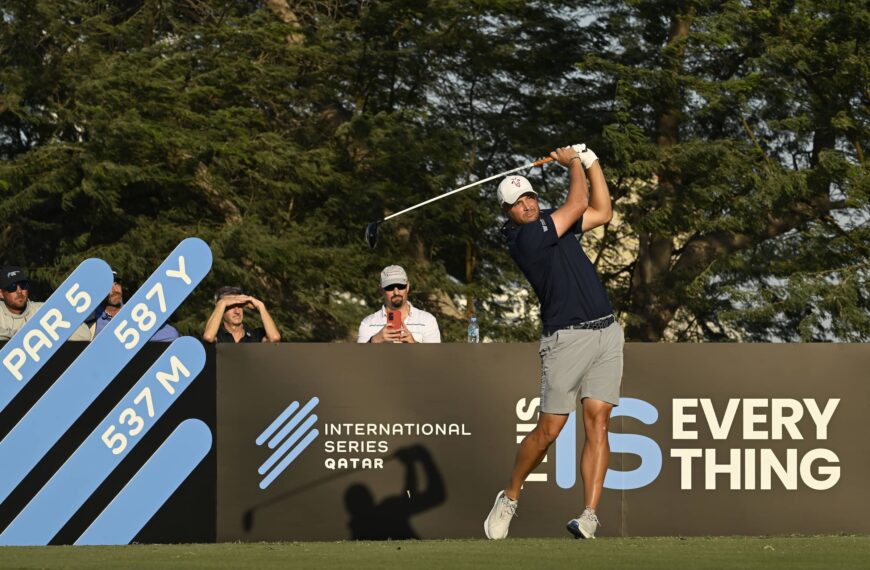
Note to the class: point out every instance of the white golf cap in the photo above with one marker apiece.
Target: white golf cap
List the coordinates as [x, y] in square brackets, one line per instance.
[511, 188]
[392, 275]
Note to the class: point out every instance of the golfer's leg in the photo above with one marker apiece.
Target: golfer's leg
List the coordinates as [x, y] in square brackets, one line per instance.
[596, 449]
[533, 449]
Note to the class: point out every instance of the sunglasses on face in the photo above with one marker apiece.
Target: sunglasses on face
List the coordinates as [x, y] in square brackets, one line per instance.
[12, 288]
[395, 286]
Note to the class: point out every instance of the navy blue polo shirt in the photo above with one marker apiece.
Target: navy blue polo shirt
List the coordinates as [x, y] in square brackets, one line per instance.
[559, 271]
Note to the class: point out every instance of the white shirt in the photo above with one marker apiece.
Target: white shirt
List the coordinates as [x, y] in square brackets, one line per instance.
[422, 325]
[11, 323]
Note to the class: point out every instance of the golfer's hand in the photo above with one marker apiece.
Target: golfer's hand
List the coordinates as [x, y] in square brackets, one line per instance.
[564, 155]
[587, 157]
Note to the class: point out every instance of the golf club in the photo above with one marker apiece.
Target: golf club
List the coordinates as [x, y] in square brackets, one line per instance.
[371, 234]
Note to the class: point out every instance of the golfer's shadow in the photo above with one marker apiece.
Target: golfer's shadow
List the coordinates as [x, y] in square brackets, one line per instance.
[390, 519]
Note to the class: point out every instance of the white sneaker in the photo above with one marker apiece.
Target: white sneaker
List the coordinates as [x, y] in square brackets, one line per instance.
[499, 520]
[585, 525]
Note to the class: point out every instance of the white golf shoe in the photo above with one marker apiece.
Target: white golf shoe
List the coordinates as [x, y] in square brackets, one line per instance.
[498, 522]
[585, 525]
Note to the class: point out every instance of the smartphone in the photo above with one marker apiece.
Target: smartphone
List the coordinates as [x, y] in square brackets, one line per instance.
[394, 319]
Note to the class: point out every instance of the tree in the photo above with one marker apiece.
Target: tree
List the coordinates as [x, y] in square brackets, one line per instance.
[276, 131]
[736, 134]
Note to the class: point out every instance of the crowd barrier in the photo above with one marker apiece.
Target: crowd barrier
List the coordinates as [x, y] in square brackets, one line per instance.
[341, 441]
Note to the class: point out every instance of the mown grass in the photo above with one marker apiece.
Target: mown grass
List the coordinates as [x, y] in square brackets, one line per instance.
[667, 553]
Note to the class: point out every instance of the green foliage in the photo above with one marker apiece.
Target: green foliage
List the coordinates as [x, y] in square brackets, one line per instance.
[733, 144]
[735, 135]
[129, 126]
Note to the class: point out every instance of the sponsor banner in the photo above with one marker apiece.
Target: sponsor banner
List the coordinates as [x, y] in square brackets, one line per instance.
[330, 442]
[95, 368]
[107, 445]
[151, 487]
[52, 483]
[144, 497]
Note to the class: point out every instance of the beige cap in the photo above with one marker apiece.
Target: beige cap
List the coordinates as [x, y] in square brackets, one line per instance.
[392, 275]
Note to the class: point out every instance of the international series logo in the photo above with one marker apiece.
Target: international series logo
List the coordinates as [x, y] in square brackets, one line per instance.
[348, 445]
[293, 431]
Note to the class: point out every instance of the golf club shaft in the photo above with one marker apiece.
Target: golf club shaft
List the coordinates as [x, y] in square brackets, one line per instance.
[466, 187]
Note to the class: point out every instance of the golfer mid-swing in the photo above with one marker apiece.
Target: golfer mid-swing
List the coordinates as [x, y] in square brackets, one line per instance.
[581, 344]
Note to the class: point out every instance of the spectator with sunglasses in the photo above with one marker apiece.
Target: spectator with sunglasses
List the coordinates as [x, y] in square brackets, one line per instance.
[17, 308]
[110, 307]
[225, 323]
[417, 324]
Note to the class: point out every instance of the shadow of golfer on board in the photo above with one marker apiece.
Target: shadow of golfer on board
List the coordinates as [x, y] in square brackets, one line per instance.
[390, 519]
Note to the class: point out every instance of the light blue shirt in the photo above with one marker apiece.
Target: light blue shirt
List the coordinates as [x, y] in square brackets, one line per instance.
[166, 333]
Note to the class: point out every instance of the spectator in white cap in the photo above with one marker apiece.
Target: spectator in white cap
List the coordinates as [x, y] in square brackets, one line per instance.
[17, 308]
[398, 321]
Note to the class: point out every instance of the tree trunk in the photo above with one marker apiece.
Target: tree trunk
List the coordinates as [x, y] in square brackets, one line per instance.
[652, 303]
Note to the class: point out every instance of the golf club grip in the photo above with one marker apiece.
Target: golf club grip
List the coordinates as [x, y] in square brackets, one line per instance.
[543, 161]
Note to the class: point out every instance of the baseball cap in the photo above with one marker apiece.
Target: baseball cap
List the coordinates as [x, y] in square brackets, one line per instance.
[511, 188]
[11, 275]
[392, 275]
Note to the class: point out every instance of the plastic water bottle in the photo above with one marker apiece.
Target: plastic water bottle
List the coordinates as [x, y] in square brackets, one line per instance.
[473, 330]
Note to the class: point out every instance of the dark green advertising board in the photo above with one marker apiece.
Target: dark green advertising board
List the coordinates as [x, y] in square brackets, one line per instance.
[330, 442]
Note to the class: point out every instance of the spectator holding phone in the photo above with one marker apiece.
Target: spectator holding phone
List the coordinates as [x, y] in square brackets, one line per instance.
[398, 321]
[225, 323]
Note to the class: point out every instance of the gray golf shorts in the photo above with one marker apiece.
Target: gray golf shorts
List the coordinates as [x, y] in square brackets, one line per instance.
[584, 362]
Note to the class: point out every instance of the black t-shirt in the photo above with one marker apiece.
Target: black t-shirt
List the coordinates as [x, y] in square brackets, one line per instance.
[559, 271]
[251, 335]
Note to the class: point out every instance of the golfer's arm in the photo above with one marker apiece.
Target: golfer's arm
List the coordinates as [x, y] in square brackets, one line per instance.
[272, 334]
[600, 209]
[214, 322]
[577, 201]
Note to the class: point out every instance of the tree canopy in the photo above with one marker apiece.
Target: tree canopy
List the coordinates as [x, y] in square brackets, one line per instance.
[731, 134]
